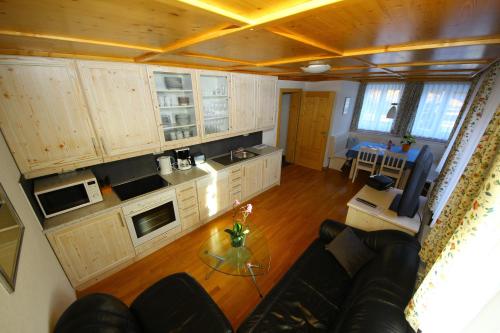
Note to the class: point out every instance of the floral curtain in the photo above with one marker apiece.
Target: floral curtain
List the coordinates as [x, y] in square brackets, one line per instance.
[463, 271]
[407, 108]
[357, 106]
[449, 170]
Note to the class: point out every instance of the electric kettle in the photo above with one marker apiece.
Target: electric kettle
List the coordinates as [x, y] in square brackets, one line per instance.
[165, 164]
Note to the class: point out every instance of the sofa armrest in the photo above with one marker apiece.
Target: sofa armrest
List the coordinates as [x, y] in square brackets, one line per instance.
[329, 229]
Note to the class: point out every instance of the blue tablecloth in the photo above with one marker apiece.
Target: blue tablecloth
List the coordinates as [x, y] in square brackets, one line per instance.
[412, 153]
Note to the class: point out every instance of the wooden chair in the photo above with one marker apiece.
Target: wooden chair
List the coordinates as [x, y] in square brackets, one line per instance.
[393, 165]
[366, 160]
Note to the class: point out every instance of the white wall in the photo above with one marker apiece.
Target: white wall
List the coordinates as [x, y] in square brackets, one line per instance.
[42, 289]
[486, 321]
[285, 115]
[269, 137]
[339, 123]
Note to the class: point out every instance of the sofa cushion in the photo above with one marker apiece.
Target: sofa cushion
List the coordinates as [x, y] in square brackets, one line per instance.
[306, 299]
[349, 251]
[178, 303]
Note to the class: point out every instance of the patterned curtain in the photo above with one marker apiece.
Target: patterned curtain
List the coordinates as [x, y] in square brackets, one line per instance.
[463, 249]
[357, 106]
[448, 172]
[407, 108]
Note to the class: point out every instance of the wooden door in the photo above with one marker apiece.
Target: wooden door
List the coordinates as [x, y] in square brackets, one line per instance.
[271, 170]
[252, 178]
[293, 126]
[121, 108]
[213, 195]
[267, 101]
[43, 116]
[314, 124]
[243, 102]
[92, 247]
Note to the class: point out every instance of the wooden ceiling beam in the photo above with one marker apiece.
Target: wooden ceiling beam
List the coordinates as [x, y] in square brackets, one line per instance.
[78, 40]
[272, 18]
[435, 63]
[39, 53]
[223, 59]
[304, 40]
[494, 39]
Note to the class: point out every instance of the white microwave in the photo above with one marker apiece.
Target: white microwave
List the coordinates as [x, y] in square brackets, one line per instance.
[63, 193]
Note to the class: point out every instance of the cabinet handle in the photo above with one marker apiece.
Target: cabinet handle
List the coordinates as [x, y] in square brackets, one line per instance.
[186, 216]
[191, 197]
[187, 189]
[104, 146]
[188, 208]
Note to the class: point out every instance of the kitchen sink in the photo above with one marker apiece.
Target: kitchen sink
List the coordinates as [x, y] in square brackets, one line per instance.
[239, 156]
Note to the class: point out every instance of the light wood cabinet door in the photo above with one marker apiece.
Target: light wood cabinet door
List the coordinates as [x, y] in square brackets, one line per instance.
[243, 102]
[213, 195]
[43, 116]
[267, 101]
[121, 108]
[92, 247]
[252, 178]
[271, 169]
[187, 201]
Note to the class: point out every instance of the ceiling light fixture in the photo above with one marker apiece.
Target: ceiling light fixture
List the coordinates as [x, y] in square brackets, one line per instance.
[316, 68]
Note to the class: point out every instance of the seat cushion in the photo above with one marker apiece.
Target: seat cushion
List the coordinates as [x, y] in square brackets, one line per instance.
[178, 303]
[97, 313]
[306, 299]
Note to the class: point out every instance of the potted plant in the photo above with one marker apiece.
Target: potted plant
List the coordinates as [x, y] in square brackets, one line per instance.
[240, 228]
[406, 142]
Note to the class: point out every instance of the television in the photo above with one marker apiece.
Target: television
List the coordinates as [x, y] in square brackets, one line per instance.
[407, 203]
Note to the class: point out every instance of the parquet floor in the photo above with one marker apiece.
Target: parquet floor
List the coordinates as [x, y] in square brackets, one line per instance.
[289, 215]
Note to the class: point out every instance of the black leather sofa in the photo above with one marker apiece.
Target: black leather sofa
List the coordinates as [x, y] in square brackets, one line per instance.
[315, 295]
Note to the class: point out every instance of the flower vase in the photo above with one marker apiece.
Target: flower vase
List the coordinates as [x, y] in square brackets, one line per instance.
[237, 241]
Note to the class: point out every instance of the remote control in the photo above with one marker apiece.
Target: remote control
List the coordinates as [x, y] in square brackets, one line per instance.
[368, 203]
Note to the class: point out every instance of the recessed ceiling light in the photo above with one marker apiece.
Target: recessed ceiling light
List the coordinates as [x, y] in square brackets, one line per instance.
[316, 68]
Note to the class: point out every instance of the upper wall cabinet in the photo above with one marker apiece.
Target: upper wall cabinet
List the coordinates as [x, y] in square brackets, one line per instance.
[43, 116]
[176, 105]
[243, 102]
[120, 105]
[214, 91]
[267, 97]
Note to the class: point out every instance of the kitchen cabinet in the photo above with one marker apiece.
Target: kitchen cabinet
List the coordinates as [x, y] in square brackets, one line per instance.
[176, 104]
[121, 108]
[214, 95]
[43, 116]
[187, 201]
[92, 247]
[252, 178]
[243, 102]
[213, 194]
[235, 181]
[267, 102]
[271, 169]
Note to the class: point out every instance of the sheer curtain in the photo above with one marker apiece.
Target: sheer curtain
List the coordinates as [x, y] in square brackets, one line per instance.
[376, 103]
[438, 109]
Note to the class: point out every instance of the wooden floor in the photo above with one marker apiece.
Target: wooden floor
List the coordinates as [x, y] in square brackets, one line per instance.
[289, 215]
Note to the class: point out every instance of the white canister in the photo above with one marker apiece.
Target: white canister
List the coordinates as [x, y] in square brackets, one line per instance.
[165, 164]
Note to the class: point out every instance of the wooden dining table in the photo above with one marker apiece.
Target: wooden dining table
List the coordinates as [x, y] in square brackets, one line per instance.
[410, 161]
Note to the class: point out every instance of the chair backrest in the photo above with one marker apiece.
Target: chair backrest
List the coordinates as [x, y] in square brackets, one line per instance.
[368, 155]
[394, 161]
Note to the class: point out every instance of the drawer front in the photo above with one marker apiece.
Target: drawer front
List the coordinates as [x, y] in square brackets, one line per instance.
[188, 202]
[235, 195]
[190, 218]
[185, 193]
[235, 174]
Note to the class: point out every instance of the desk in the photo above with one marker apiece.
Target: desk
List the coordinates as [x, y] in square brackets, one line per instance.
[410, 161]
[368, 218]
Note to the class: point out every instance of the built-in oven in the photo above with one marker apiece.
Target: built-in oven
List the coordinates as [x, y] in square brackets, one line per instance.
[151, 216]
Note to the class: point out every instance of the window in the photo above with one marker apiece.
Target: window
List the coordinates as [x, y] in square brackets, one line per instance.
[376, 103]
[438, 109]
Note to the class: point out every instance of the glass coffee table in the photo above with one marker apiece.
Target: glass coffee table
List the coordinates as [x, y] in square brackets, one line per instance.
[251, 259]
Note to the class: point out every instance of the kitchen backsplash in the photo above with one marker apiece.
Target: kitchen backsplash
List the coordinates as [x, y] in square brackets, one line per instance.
[121, 171]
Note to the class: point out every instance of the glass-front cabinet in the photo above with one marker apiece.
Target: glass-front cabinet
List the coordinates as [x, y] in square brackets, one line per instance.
[214, 101]
[176, 105]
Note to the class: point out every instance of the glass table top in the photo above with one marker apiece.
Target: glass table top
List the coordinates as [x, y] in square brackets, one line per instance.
[251, 259]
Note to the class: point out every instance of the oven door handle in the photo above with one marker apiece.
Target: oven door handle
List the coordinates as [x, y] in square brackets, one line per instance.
[149, 206]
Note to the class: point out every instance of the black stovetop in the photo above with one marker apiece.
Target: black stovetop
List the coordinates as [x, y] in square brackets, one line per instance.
[139, 186]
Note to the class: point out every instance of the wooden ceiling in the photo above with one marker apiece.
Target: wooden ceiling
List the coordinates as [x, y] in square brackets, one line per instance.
[360, 39]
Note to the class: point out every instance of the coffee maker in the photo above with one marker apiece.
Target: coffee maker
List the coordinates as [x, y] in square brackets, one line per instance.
[183, 159]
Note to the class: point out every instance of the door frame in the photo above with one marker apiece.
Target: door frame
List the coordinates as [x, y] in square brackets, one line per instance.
[285, 91]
